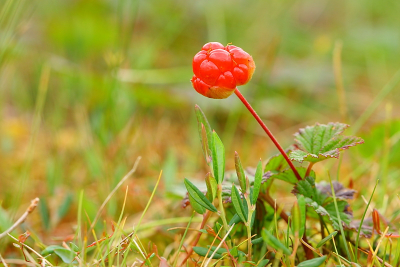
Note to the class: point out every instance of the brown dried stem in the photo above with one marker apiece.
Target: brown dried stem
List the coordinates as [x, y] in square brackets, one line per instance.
[28, 211]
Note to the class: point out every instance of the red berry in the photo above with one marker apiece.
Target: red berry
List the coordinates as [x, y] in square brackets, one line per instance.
[218, 69]
[212, 45]
[222, 59]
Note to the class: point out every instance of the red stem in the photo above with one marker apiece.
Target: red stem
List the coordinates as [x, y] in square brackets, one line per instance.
[206, 216]
[309, 169]
[268, 132]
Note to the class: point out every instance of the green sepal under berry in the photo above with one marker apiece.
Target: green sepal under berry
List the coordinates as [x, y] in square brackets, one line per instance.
[322, 141]
[321, 203]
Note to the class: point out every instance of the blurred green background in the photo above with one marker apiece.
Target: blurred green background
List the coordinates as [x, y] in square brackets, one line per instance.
[88, 86]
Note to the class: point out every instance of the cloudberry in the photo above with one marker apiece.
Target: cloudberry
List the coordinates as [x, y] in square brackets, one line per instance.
[218, 69]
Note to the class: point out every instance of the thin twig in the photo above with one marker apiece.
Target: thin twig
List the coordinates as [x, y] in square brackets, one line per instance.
[220, 244]
[18, 262]
[2, 260]
[206, 216]
[212, 244]
[305, 243]
[113, 192]
[29, 210]
[31, 249]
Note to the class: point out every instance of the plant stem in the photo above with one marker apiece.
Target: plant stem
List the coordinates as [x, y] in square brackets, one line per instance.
[248, 227]
[28, 211]
[268, 132]
[206, 216]
[222, 210]
[362, 220]
[295, 247]
[339, 220]
[309, 169]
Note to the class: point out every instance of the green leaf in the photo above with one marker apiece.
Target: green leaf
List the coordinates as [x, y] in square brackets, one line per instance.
[238, 204]
[73, 247]
[302, 206]
[263, 263]
[204, 144]
[198, 196]
[220, 250]
[308, 189]
[257, 241]
[203, 252]
[344, 217]
[50, 249]
[218, 158]
[274, 242]
[211, 187]
[276, 164]
[322, 141]
[313, 262]
[321, 203]
[66, 255]
[326, 239]
[207, 139]
[196, 206]
[257, 183]
[217, 228]
[235, 220]
[240, 172]
[289, 176]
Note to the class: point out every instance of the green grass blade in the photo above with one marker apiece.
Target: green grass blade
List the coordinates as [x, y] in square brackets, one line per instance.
[362, 219]
[339, 220]
[326, 239]
[182, 239]
[274, 242]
